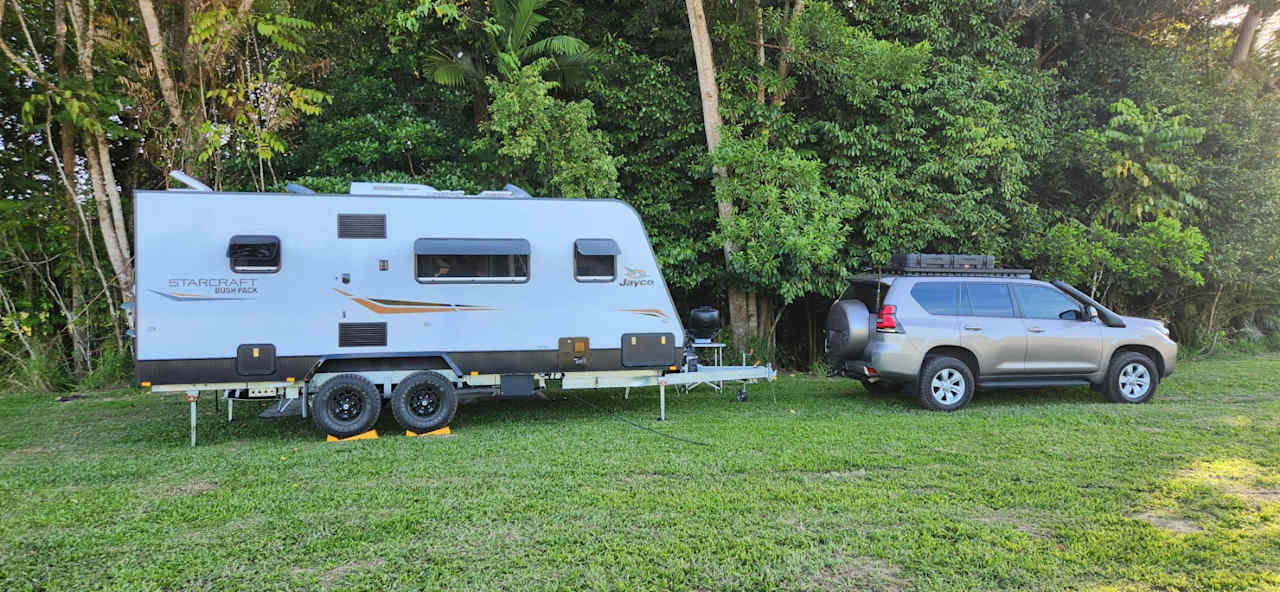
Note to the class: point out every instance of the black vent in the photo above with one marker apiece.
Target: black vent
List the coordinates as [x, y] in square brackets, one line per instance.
[362, 226]
[362, 334]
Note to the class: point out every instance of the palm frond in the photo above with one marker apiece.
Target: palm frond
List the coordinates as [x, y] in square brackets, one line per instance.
[556, 45]
[448, 74]
[524, 23]
[572, 71]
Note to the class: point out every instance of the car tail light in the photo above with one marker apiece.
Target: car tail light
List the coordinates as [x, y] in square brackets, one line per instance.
[885, 321]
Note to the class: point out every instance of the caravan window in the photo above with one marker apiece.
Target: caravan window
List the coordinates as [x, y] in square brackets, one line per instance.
[254, 253]
[470, 260]
[595, 259]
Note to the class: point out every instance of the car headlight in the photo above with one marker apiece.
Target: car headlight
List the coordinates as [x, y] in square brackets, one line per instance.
[1164, 330]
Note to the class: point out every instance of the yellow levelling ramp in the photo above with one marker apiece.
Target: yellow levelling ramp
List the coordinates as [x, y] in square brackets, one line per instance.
[444, 431]
[369, 435]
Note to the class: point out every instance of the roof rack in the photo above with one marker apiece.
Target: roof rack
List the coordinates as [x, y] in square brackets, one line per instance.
[946, 264]
[934, 271]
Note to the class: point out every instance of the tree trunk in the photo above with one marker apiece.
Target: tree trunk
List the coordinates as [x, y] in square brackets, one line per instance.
[808, 321]
[156, 40]
[1244, 41]
[66, 144]
[784, 67]
[709, 93]
[758, 14]
[480, 106]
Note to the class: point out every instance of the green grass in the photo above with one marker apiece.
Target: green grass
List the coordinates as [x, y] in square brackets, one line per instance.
[829, 487]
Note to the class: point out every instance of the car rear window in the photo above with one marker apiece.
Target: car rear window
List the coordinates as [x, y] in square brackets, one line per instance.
[989, 300]
[870, 293]
[939, 298]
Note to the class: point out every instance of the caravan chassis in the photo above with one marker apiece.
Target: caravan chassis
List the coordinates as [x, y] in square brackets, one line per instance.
[291, 389]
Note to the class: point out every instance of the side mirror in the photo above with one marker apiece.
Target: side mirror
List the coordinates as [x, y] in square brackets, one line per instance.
[1071, 315]
[1092, 312]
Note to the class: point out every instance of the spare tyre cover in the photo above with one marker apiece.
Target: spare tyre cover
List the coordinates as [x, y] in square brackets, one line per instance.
[848, 329]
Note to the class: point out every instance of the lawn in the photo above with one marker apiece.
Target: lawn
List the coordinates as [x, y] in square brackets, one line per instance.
[826, 487]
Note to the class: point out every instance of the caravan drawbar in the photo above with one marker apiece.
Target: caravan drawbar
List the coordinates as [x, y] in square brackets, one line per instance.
[397, 292]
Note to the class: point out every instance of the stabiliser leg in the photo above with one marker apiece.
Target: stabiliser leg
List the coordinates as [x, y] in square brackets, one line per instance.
[191, 399]
[662, 400]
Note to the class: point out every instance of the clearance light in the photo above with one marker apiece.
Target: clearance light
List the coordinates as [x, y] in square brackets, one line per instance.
[475, 373]
[289, 379]
[673, 368]
[146, 384]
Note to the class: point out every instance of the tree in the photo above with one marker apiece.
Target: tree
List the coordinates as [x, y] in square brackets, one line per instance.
[545, 144]
[509, 31]
[1138, 153]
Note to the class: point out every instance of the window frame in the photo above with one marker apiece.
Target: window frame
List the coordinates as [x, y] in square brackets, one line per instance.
[1022, 310]
[966, 303]
[245, 238]
[591, 279]
[478, 246]
[959, 287]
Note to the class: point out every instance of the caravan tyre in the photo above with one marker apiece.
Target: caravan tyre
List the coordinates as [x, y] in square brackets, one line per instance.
[424, 402]
[346, 405]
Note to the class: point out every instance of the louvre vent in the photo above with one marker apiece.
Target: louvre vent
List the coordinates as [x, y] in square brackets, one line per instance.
[362, 226]
[362, 334]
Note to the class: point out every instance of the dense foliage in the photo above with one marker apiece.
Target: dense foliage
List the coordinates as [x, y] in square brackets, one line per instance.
[1129, 147]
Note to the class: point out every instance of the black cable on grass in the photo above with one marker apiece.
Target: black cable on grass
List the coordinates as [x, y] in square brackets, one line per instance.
[623, 418]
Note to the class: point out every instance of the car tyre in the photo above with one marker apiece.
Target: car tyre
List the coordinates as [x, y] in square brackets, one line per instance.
[946, 384]
[424, 402]
[1132, 378]
[346, 405]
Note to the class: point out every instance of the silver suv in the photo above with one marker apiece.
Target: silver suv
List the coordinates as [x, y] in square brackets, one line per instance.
[946, 326]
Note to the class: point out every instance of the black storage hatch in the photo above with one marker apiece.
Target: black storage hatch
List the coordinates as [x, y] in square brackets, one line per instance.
[648, 349]
[256, 359]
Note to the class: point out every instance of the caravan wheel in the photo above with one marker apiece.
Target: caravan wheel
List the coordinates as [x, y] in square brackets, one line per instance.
[346, 405]
[424, 402]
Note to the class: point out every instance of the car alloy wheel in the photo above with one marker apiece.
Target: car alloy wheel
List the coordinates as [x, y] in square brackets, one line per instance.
[1135, 381]
[948, 386]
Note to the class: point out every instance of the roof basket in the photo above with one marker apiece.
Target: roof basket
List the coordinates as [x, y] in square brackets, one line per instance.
[949, 264]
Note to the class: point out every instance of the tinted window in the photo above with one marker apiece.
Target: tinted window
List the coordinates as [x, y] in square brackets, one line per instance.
[444, 268]
[870, 294]
[1043, 302]
[989, 300]
[593, 268]
[940, 298]
[254, 253]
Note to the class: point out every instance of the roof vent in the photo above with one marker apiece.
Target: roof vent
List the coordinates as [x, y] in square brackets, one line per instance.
[401, 189]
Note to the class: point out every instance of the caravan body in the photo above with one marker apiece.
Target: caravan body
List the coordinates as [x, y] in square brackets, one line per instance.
[237, 287]
[333, 304]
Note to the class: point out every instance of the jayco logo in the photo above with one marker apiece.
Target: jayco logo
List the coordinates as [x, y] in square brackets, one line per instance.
[635, 278]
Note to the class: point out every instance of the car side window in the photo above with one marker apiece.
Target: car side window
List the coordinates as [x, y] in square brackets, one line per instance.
[938, 298]
[1042, 302]
[989, 300]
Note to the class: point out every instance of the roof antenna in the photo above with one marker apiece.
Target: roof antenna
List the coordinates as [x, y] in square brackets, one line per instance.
[189, 181]
[516, 191]
[296, 188]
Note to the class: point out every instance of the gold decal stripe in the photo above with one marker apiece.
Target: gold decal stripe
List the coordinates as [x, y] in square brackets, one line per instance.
[649, 312]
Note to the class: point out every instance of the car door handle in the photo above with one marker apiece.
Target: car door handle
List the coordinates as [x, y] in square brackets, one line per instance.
[1036, 330]
[972, 328]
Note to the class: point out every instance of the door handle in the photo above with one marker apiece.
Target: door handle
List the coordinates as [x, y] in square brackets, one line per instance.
[972, 328]
[1036, 330]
